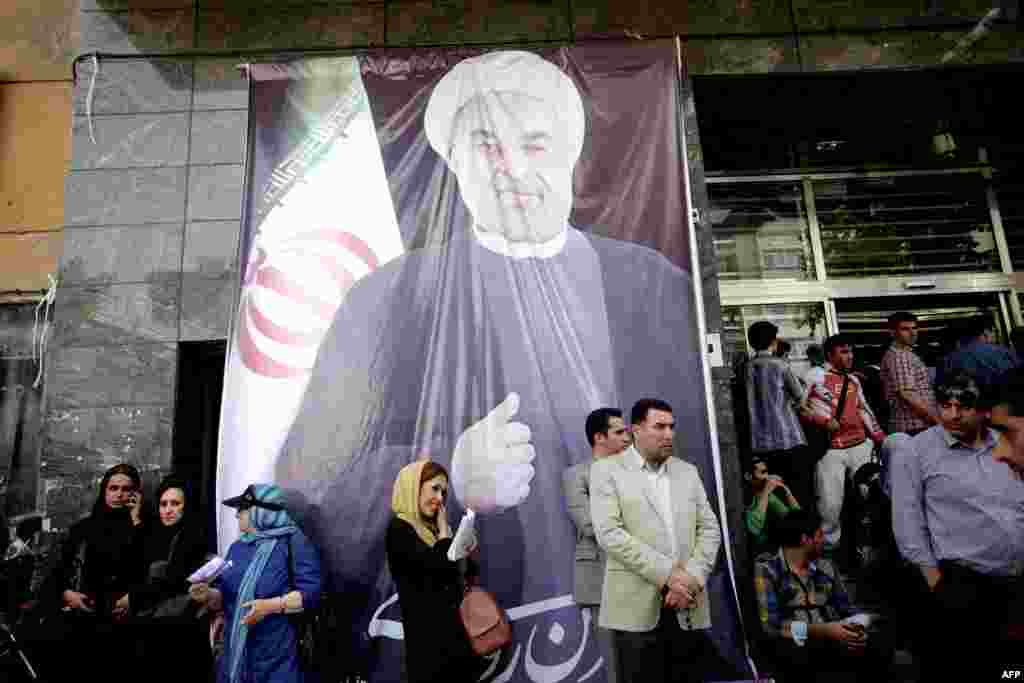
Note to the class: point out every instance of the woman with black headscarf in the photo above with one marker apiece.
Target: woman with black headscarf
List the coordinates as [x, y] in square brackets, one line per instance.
[169, 550]
[97, 566]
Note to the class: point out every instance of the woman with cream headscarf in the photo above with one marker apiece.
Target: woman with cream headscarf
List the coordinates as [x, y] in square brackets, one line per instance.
[418, 541]
[260, 587]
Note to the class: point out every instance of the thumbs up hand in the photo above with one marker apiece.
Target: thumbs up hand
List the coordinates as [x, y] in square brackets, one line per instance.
[491, 468]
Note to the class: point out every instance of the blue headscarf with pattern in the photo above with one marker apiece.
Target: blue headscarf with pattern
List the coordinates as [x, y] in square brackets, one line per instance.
[268, 527]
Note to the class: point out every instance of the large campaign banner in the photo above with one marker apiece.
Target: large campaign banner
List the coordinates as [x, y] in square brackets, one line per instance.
[443, 247]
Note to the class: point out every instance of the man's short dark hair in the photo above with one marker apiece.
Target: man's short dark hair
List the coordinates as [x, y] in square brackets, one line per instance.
[761, 335]
[1009, 391]
[901, 317]
[599, 421]
[790, 530]
[960, 387]
[834, 342]
[644, 406]
[976, 326]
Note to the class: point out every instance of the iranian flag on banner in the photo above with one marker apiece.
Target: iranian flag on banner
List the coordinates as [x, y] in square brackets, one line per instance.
[323, 221]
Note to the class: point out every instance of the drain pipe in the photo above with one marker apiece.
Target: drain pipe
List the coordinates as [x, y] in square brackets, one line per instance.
[974, 35]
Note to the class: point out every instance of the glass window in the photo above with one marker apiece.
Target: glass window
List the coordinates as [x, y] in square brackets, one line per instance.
[800, 325]
[761, 231]
[905, 225]
[20, 411]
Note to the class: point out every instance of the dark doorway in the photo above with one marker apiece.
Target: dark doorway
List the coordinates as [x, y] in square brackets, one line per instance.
[197, 421]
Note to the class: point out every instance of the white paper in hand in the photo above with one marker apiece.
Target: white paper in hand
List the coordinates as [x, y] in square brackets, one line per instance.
[209, 571]
[465, 538]
[863, 619]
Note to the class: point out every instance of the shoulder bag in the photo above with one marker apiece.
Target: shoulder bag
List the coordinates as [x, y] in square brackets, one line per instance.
[486, 623]
[819, 439]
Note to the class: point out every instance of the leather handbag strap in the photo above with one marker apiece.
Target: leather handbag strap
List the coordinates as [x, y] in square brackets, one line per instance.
[838, 415]
[172, 546]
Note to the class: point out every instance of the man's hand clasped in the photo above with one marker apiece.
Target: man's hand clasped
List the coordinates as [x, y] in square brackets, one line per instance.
[683, 589]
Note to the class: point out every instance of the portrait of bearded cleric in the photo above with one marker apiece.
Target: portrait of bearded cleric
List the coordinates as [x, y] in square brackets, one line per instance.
[505, 322]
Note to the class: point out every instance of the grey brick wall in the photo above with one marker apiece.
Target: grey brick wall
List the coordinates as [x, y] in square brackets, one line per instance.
[153, 205]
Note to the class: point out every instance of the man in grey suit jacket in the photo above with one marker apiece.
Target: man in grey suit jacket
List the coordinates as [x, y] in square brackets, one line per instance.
[652, 516]
[608, 436]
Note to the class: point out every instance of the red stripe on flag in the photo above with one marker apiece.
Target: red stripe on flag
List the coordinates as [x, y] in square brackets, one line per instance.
[255, 359]
[279, 333]
[273, 279]
[343, 239]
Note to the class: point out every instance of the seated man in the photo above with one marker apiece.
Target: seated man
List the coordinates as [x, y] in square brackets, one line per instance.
[810, 629]
[771, 501]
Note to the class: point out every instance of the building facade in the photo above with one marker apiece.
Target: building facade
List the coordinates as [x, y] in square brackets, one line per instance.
[800, 217]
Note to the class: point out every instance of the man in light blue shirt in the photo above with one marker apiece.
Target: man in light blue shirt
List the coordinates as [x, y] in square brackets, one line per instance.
[958, 515]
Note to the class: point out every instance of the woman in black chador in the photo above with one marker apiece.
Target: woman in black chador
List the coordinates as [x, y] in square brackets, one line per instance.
[98, 564]
[169, 550]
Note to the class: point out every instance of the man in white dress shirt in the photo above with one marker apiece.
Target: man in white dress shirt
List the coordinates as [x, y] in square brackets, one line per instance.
[651, 515]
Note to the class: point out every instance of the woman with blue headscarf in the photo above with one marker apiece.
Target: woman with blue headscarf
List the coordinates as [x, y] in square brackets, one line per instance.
[274, 571]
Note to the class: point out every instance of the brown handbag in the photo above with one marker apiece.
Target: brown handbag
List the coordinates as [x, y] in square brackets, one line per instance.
[486, 623]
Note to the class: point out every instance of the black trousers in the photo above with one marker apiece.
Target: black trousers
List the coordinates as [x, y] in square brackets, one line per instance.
[668, 654]
[967, 623]
[828, 661]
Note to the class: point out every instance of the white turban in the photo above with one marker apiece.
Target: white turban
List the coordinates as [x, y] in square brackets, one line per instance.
[503, 71]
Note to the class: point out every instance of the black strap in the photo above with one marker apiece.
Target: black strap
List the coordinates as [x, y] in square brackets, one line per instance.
[172, 546]
[838, 415]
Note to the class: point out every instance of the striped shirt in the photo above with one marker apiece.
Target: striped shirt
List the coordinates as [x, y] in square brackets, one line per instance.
[952, 501]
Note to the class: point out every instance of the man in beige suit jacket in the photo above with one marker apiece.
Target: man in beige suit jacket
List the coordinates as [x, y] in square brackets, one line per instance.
[607, 435]
[651, 515]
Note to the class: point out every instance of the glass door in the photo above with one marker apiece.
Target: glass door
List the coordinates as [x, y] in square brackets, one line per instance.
[939, 319]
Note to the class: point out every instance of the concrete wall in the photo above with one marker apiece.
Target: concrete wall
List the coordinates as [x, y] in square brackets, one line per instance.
[153, 207]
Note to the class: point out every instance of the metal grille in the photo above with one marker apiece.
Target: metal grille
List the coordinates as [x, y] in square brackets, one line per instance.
[761, 231]
[1010, 194]
[905, 225]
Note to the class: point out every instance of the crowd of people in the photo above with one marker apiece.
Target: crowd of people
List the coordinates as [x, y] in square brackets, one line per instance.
[944, 481]
[119, 597]
[950, 466]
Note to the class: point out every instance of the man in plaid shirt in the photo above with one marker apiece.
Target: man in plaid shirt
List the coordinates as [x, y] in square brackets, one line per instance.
[905, 381]
[809, 627]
